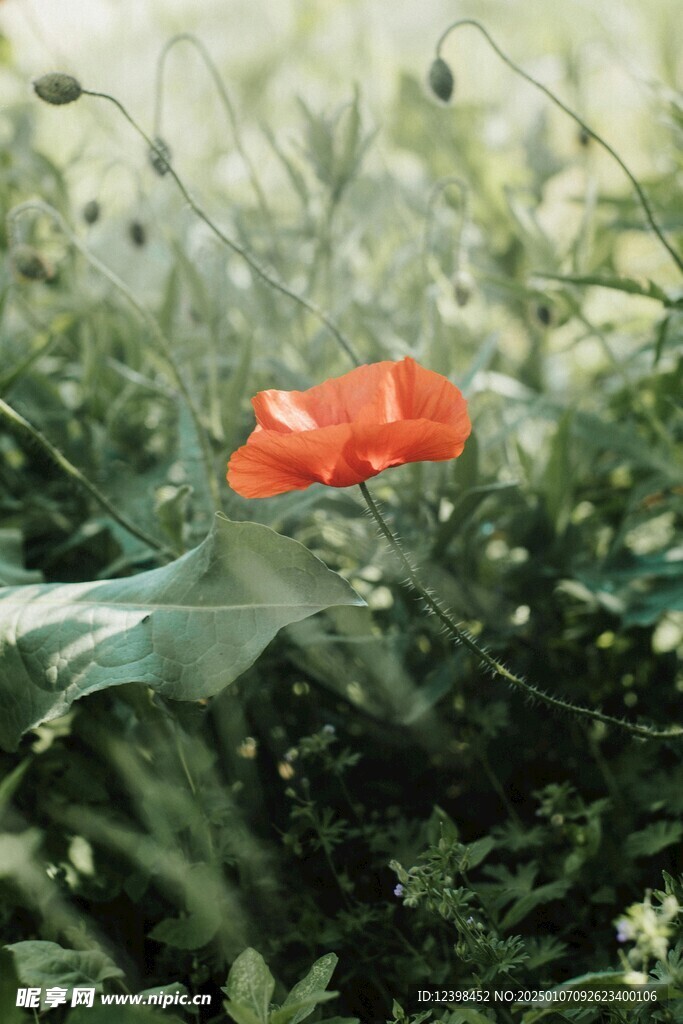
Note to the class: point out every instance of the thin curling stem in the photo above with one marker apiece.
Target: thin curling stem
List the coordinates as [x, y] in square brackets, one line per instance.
[258, 269]
[159, 336]
[187, 37]
[461, 636]
[437, 191]
[17, 421]
[644, 202]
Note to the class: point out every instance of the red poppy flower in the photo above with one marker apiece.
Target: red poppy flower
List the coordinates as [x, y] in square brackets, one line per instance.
[349, 429]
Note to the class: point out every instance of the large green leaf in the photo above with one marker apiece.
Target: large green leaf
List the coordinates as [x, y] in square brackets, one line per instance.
[46, 964]
[9, 983]
[249, 988]
[186, 630]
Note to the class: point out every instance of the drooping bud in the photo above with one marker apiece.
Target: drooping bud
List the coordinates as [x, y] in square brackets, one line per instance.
[463, 286]
[30, 265]
[91, 211]
[160, 156]
[138, 235]
[58, 88]
[544, 314]
[441, 80]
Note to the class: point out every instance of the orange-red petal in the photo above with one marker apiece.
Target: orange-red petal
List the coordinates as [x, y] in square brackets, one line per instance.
[338, 400]
[272, 462]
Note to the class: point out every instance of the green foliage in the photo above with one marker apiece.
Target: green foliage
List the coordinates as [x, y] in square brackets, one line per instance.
[250, 987]
[186, 630]
[361, 786]
[47, 964]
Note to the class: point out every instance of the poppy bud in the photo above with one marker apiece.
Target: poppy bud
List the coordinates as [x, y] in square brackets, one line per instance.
[57, 88]
[441, 80]
[544, 314]
[91, 211]
[138, 235]
[29, 264]
[463, 286]
[160, 156]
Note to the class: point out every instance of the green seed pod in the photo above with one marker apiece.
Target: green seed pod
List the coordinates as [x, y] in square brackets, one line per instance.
[138, 235]
[441, 80]
[91, 211]
[463, 286]
[30, 265]
[57, 88]
[160, 156]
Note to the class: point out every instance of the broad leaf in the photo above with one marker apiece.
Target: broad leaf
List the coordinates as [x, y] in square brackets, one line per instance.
[46, 964]
[186, 630]
[315, 982]
[250, 985]
[9, 983]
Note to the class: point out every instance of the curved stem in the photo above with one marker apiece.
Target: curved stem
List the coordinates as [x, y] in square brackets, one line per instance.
[644, 202]
[188, 37]
[258, 269]
[18, 421]
[159, 336]
[461, 636]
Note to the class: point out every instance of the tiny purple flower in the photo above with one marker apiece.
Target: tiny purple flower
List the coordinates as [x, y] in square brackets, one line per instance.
[624, 930]
[399, 890]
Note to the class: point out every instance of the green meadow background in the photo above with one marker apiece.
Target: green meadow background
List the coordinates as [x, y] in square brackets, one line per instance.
[316, 816]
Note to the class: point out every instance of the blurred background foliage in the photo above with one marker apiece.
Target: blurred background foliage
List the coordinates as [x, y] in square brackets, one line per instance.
[170, 837]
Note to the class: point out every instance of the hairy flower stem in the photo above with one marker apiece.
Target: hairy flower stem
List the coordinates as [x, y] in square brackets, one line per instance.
[461, 636]
[17, 421]
[151, 321]
[644, 202]
[259, 270]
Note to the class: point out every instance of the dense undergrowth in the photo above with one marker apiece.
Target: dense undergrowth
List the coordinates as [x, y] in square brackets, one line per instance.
[365, 788]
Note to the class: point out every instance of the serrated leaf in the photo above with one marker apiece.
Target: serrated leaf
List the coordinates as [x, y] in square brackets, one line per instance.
[186, 630]
[44, 964]
[653, 838]
[250, 985]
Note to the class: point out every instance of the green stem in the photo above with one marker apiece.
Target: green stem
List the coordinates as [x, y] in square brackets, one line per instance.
[259, 270]
[18, 421]
[461, 636]
[187, 37]
[644, 202]
[159, 336]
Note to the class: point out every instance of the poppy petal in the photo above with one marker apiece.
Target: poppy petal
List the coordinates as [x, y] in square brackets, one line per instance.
[409, 392]
[337, 400]
[393, 444]
[272, 463]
